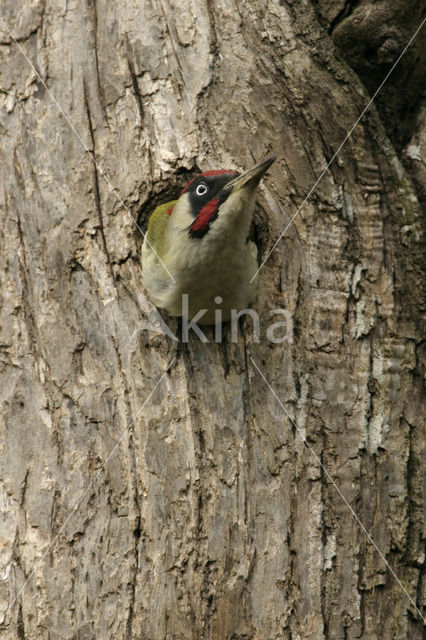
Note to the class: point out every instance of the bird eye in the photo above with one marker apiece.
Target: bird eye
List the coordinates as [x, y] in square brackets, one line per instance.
[201, 189]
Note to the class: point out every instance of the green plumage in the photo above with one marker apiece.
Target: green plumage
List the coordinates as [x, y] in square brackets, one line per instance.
[157, 226]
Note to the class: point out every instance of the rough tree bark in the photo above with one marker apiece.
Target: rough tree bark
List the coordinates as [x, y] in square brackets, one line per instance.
[212, 519]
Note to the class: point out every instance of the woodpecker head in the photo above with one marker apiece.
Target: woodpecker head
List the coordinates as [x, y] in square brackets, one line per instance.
[199, 245]
[216, 204]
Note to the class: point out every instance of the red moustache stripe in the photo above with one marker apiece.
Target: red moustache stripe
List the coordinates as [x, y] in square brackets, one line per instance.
[207, 212]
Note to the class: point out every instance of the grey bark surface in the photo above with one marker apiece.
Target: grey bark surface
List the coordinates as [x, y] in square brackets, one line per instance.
[212, 519]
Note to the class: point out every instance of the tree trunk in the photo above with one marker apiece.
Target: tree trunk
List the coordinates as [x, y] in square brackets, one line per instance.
[212, 517]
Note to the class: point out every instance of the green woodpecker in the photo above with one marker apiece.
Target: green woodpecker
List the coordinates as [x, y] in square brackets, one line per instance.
[200, 245]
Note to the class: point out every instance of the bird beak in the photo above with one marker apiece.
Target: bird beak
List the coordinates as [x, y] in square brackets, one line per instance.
[252, 176]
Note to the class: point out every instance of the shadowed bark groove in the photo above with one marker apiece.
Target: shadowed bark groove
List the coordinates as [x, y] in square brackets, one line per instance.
[212, 520]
